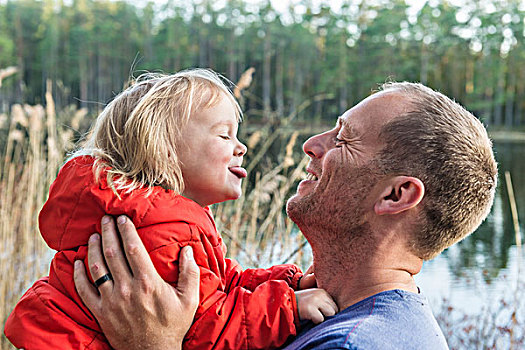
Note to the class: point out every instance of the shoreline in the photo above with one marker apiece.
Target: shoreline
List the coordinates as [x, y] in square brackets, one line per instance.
[507, 136]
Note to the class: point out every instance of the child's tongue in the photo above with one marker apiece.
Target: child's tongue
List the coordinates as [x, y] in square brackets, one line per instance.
[238, 171]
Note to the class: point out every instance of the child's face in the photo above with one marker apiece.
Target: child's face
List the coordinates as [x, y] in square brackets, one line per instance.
[211, 156]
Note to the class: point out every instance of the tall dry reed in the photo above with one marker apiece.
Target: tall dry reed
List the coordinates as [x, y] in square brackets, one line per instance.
[31, 154]
[255, 227]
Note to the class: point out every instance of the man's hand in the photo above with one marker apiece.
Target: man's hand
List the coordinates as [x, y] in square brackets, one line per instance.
[137, 309]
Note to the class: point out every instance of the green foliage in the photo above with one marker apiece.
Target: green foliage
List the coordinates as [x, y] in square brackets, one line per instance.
[7, 45]
[88, 49]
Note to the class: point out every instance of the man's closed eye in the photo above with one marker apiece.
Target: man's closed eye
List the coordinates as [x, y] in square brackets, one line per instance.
[339, 142]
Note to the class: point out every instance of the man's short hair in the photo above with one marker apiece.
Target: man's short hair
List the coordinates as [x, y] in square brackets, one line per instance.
[446, 147]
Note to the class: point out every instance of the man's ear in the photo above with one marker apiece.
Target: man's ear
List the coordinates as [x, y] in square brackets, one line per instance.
[401, 193]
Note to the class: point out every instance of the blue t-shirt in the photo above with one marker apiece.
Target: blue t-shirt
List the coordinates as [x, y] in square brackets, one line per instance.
[394, 319]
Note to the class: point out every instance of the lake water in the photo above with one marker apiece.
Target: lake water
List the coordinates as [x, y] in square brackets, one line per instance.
[487, 266]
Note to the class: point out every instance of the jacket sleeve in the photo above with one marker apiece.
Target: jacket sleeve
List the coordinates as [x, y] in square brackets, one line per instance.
[235, 317]
[251, 278]
[42, 320]
[242, 319]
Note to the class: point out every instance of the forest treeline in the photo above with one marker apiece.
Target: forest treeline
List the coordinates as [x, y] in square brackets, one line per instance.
[332, 57]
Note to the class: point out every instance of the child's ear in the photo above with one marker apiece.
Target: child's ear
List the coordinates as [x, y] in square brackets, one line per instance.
[401, 193]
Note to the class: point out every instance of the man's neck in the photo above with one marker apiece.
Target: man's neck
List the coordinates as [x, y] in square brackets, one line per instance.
[350, 283]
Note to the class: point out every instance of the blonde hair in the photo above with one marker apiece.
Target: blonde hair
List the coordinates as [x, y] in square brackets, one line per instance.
[137, 134]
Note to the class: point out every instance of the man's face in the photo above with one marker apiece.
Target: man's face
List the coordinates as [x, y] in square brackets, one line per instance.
[340, 188]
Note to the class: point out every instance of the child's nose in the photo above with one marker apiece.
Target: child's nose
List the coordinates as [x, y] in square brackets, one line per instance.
[241, 149]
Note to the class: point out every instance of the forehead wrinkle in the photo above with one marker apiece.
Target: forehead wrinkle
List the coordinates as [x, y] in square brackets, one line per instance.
[349, 130]
[341, 121]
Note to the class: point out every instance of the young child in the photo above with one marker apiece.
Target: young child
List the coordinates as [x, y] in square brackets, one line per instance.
[161, 152]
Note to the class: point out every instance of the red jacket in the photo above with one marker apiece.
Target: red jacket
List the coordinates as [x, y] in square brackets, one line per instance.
[238, 309]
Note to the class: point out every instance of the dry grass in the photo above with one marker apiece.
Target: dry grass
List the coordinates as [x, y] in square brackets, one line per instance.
[255, 227]
[32, 148]
[498, 324]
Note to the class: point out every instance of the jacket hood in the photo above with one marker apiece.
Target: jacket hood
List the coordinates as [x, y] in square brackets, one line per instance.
[77, 203]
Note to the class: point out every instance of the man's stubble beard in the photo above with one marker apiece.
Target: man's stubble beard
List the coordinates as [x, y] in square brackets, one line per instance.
[336, 221]
[336, 227]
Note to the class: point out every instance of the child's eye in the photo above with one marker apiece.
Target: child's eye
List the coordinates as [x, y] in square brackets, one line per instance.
[224, 137]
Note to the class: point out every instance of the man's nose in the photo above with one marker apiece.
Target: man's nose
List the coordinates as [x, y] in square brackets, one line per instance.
[315, 146]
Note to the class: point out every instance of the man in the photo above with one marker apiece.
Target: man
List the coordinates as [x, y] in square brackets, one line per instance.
[403, 175]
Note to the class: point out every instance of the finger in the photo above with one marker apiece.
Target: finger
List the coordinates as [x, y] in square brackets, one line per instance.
[97, 265]
[334, 305]
[308, 281]
[85, 289]
[331, 303]
[188, 284]
[310, 270]
[137, 255]
[317, 317]
[328, 309]
[113, 253]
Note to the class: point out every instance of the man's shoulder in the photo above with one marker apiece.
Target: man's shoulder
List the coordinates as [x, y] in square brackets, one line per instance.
[388, 320]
